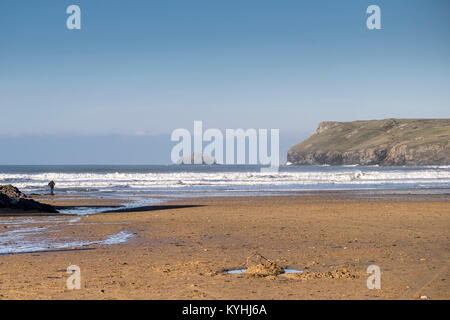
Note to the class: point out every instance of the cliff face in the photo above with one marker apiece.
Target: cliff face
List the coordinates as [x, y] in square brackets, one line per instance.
[383, 142]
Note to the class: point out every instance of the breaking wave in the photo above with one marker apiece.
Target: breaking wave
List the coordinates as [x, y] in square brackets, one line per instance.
[318, 177]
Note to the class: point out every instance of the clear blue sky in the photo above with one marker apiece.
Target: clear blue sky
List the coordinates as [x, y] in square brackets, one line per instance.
[149, 67]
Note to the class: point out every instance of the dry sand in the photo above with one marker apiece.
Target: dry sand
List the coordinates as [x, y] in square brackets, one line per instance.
[181, 250]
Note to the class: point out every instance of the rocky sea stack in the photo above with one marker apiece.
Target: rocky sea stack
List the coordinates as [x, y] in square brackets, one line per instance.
[389, 142]
[197, 158]
[12, 198]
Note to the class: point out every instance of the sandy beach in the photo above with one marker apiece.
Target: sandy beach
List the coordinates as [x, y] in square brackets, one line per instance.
[182, 250]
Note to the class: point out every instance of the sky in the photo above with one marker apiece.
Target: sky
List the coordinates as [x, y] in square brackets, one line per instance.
[139, 69]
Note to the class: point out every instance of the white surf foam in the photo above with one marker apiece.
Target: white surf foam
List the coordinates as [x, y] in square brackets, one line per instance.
[151, 181]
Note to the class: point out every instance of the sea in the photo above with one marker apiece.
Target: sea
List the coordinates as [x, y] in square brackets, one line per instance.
[205, 180]
[143, 185]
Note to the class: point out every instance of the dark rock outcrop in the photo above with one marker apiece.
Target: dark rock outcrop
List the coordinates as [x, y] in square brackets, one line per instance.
[376, 142]
[11, 191]
[12, 198]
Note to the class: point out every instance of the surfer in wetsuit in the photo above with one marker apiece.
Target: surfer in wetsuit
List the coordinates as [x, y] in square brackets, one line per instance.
[51, 184]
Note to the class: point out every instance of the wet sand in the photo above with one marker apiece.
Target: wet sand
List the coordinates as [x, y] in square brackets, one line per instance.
[181, 250]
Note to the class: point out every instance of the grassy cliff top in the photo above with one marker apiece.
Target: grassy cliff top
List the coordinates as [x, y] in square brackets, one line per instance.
[356, 135]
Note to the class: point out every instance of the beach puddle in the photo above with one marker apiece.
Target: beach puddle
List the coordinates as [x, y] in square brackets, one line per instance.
[127, 205]
[287, 271]
[85, 211]
[237, 271]
[24, 241]
[243, 271]
[19, 235]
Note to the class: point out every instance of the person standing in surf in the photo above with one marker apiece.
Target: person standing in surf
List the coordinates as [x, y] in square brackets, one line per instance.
[51, 184]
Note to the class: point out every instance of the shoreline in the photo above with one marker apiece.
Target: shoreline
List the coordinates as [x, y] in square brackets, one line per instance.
[181, 250]
[112, 204]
